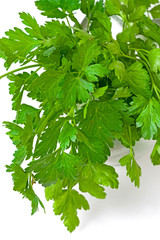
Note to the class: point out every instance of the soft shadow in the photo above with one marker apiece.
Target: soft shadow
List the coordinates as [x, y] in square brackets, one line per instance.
[129, 201]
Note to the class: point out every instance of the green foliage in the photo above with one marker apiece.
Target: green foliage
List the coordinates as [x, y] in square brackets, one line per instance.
[33, 28]
[152, 113]
[17, 46]
[91, 90]
[94, 176]
[67, 204]
[133, 169]
[56, 9]
[155, 11]
[155, 155]
[154, 59]
[113, 7]
[67, 134]
[53, 166]
[21, 184]
[150, 30]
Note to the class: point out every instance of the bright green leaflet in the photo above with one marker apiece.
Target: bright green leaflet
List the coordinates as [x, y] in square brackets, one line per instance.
[91, 90]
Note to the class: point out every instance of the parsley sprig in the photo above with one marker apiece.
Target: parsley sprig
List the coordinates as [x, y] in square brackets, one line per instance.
[91, 88]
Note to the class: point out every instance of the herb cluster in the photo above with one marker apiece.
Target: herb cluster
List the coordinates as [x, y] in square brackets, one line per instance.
[93, 89]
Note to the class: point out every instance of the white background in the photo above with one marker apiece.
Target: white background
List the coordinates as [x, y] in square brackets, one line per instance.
[126, 213]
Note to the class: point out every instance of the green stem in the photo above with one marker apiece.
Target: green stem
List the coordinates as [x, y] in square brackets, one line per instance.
[38, 69]
[143, 57]
[58, 149]
[155, 89]
[126, 56]
[88, 25]
[45, 121]
[68, 22]
[30, 180]
[130, 137]
[146, 64]
[130, 142]
[144, 60]
[18, 69]
[27, 59]
[74, 19]
[71, 114]
[135, 49]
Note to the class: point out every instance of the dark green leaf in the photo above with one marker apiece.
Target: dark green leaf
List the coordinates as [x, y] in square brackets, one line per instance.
[138, 80]
[53, 166]
[75, 88]
[86, 53]
[48, 139]
[103, 118]
[66, 165]
[68, 133]
[46, 84]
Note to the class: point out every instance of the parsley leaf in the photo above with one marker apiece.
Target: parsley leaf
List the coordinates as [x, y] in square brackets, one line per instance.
[67, 204]
[67, 133]
[17, 46]
[20, 179]
[152, 113]
[86, 53]
[95, 70]
[94, 175]
[90, 89]
[52, 8]
[138, 78]
[133, 169]
[53, 166]
[33, 28]
[113, 7]
[35, 200]
[154, 59]
[78, 88]
[155, 11]
[134, 76]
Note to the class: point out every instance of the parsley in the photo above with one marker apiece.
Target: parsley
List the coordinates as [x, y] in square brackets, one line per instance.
[92, 89]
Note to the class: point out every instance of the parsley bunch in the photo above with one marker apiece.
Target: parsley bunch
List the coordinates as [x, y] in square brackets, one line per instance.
[91, 90]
